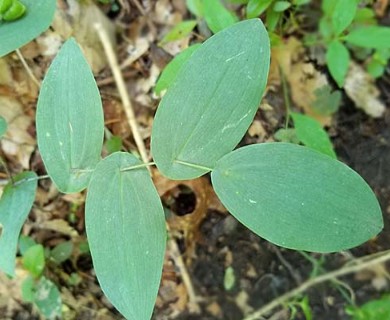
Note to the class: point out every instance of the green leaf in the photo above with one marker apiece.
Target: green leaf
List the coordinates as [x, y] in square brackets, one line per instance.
[300, 2]
[311, 134]
[208, 109]
[281, 6]
[217, 16]
[34, 260]
[195, 7]
[38, 16]
[338, 59]
[374, 37]
[62, 252]
[28, 289]
[373, 310]
[342, 16]
[171, 71]
[326, 102]
[15, 205]
[297, 198]
[3, 126]
[375, 68]
[328, 6]
[180, 31]
[365, 16]
[125, 226]
[272, 19]
[69, 120]
[114, 144]
[286, 135]
[256, 8]
[25, 242]
[48, 299]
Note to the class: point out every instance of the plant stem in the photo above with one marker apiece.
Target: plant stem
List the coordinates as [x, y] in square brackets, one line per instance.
[30, 179]
[285, 96]
[192, 165]
[138, 166]
[360, 264]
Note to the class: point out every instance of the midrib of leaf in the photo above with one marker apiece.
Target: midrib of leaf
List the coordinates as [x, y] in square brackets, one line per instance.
[68, 119]
[122, 215]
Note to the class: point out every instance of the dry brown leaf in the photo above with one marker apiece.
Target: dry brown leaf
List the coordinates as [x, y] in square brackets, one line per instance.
[79, 21]
[360, 87]
[380, 7]
[5, 73]
[302, 77]
[17, 142]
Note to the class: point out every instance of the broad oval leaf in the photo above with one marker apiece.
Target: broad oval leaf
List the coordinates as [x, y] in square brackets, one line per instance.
[212, 101]
[297, 198]
[69, 120]
[338, 59]
[38, 17]
[126, 233]
[15, 205]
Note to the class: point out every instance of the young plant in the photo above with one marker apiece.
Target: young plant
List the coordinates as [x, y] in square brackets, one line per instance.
[36, 288]
[338, 18]
[290, 195]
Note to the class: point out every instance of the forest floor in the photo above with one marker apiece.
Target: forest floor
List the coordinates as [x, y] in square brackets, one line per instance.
[214, 268]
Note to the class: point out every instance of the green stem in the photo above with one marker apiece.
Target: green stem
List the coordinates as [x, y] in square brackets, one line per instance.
[30, 179]
[138, 166]
[192, 165]
[285, 97]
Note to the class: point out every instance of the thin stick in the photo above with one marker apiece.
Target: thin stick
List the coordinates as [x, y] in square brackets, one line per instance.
[193, 299]
[323, 278]
[120, 83]
[28, 69]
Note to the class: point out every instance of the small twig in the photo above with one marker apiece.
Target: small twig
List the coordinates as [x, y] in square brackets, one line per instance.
[193, 299]
[112, 60]
[28, 69]
[320, 279]
[297, 277]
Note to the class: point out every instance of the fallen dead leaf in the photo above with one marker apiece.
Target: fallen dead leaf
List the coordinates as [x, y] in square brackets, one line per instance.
[360, 87]
[302, 77]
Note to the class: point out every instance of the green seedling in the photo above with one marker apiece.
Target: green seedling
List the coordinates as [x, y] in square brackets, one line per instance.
[36, 288]
[345, 25]
[288, 194]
